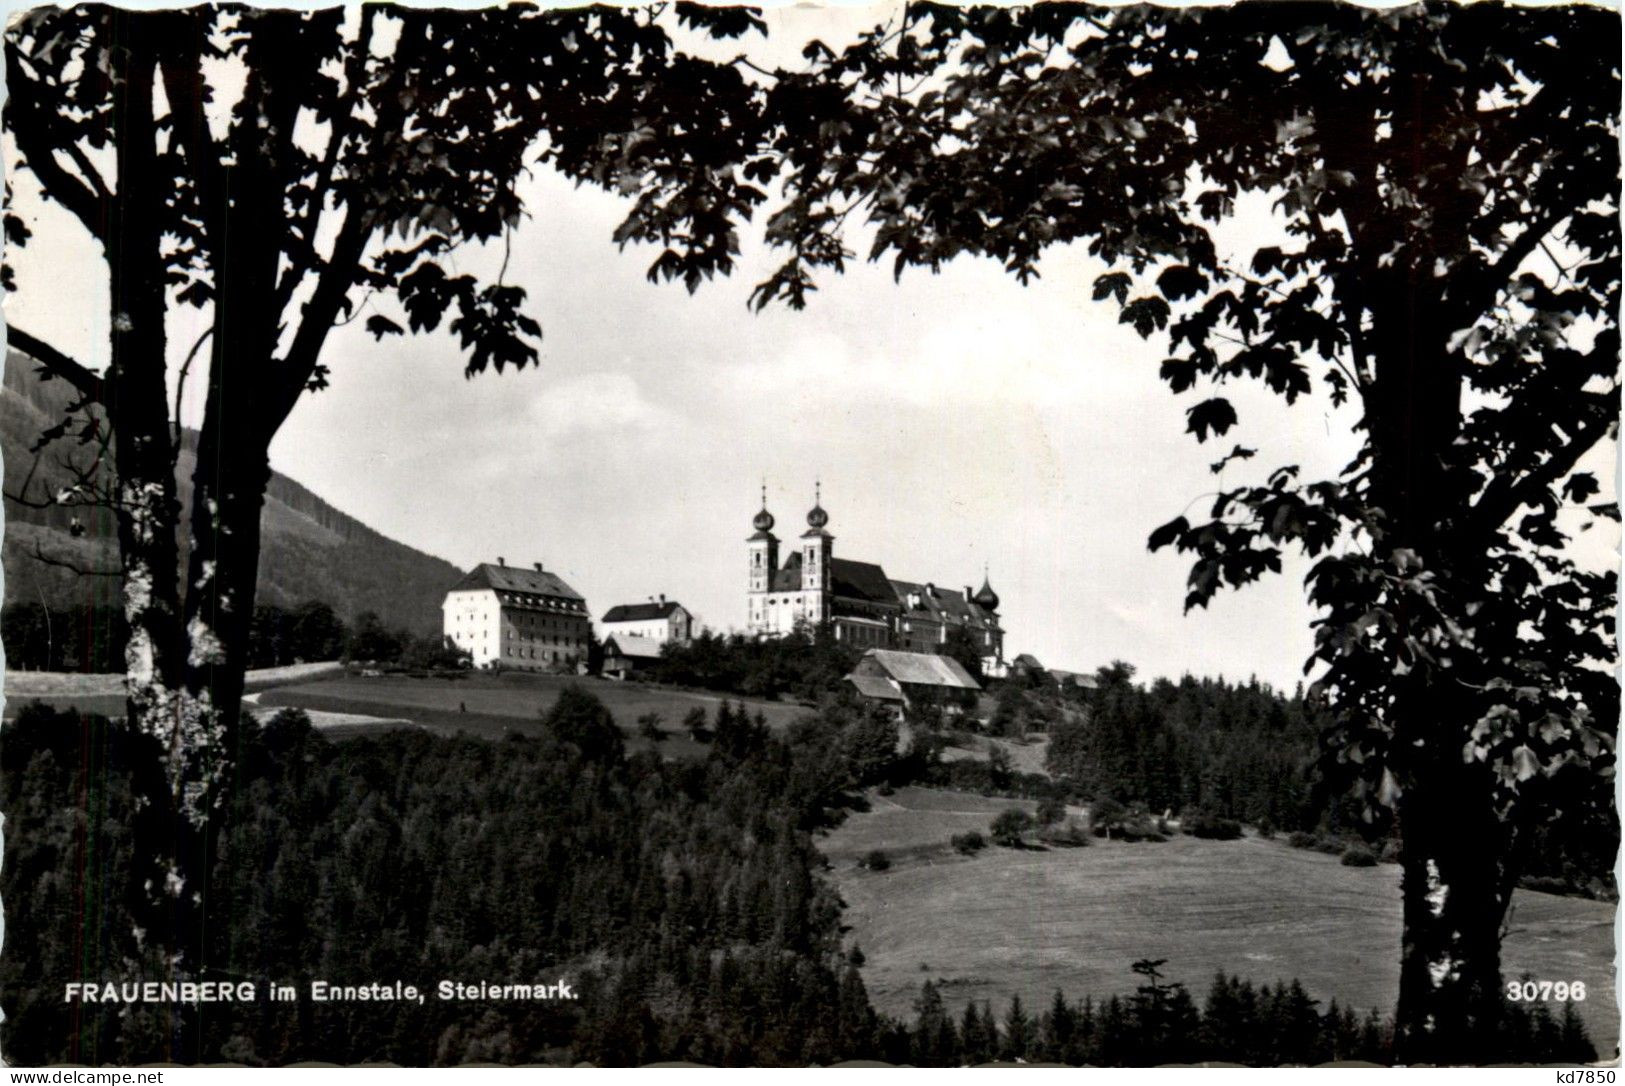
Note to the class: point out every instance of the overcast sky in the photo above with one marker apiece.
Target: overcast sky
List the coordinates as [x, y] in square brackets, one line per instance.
[954, 420]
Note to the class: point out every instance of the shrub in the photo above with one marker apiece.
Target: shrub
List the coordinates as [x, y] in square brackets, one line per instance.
[1390, 851]
[1051, 809]
[968, 843]
[1141, 831]
[1545, 884]
[1070, 833]
[1213, 827]
[1105, 814]
[1009, 827]
[1359, 856]
[1302, 839]
[1266, 828]
[877, 861]
[1331, 846]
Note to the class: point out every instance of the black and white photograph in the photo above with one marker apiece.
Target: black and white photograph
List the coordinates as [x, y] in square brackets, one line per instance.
[901, 534]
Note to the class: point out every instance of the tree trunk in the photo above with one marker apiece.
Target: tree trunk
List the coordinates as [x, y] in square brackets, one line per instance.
[1454, 899]
[228, 495]
[1453, 844]
[148, 510]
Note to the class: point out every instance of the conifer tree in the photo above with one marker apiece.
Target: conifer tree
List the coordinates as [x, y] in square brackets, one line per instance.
[1018, 1032]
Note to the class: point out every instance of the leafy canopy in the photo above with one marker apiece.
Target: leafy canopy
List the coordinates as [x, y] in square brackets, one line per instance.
[1444, 181]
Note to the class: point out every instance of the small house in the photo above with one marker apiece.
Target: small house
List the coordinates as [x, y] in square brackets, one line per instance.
[626, 653]
[657, 620]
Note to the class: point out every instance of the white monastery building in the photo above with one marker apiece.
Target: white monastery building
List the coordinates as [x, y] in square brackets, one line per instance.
[659, 620]
[507, 617]
[862, 606]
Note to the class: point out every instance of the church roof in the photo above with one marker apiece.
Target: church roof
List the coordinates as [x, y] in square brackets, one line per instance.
[861, 581]
[944, 604]
[501, 578]
[640, 612]
[850, 579]
[787, 578]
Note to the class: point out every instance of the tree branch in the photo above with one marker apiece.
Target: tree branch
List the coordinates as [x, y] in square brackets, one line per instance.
[180, 389]
[92, 176]
[1496, 275]
[62, 563]
[53, 363]
[57, 183]
[1506, 492]
[306, 226]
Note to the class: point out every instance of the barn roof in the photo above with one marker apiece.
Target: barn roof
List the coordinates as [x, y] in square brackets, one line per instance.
[640, 612]
[923, 669]
[638, 648]
[514, 579]
[875, 686]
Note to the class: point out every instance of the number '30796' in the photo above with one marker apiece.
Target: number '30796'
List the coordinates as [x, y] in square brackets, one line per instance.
[1546, 991]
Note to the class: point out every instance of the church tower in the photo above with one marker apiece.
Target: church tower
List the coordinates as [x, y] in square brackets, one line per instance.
[764, 562]
[817, 546]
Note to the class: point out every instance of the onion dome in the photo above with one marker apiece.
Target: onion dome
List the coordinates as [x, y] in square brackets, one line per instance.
[763, 521]
[985, 597]
[816, 517]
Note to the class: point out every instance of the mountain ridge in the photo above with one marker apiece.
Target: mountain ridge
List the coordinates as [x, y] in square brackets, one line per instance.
[310, 549]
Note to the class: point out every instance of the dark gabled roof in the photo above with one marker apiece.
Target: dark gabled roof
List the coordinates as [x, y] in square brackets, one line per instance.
[787, 578]
[640, 612]
[861, 581]
[944, 605]
[513, 579]
[850, 580]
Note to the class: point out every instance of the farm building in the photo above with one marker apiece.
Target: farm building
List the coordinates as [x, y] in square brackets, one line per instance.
[657, 620]
[1074, 678]
[626, 653]
[905, 679]
[526, 619]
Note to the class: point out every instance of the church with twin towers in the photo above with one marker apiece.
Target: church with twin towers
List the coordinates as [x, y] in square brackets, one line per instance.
[804, 585]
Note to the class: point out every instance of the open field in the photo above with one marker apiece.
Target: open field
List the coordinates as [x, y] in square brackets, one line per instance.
[496, 705]
[478, 703]
[104, 694]
[1007, 922]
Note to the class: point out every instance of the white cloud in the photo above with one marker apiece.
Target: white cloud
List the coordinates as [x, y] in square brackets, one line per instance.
[592, 403]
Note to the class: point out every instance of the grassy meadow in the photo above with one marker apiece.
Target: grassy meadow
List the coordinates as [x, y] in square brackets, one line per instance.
[496, 705]
[1009, 922]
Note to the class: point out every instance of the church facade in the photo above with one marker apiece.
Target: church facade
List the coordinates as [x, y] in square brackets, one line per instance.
[806, 585]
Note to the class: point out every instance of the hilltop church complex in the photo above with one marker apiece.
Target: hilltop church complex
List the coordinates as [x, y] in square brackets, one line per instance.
[864, 607]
